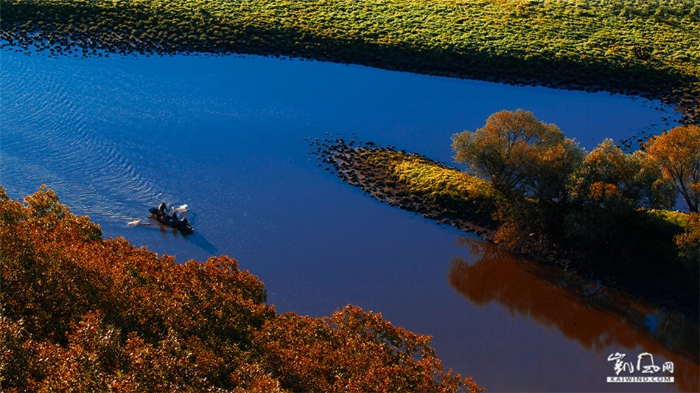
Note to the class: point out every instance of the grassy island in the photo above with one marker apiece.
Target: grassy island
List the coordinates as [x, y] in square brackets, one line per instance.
[80, 313]
[640, 47]
[603, 214]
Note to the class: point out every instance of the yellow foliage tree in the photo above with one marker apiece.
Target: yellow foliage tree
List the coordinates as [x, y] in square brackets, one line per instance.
[517, 152]
[688, 242]
[678, 153]
[609, 176]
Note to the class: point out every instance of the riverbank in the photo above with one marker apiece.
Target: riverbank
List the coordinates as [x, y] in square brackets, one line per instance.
[649, 51]
[450, 197]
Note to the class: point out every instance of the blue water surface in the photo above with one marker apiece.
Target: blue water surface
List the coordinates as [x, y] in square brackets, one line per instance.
[229, 137]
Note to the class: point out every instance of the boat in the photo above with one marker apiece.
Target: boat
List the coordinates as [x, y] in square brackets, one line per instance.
[182, 225]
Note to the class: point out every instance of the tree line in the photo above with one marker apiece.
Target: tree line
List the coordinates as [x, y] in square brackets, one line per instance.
[604, 204]
[82, 314]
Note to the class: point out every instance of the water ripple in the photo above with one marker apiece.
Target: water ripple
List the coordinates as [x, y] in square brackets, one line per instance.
[43, 122]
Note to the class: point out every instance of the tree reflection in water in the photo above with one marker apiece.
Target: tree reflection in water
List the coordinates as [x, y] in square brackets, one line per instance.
[595, 316]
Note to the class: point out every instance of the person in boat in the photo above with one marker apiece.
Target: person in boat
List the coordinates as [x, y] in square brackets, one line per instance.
[174, 216]
[185, 222]
[162, 208]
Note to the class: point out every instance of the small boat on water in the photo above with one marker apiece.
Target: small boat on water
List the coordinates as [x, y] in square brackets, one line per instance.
[165, 218]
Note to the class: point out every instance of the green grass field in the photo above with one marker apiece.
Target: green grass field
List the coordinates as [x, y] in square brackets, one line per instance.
[641, 47]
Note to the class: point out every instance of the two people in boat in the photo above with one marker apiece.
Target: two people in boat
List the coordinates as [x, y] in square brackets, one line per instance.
[163, 208]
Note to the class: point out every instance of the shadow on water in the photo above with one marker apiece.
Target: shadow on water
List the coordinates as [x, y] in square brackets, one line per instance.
[198, 240]
[195, 238]
[595, 316]
[201, 242]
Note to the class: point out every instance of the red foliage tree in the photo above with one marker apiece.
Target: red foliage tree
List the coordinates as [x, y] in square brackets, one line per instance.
[79, 313]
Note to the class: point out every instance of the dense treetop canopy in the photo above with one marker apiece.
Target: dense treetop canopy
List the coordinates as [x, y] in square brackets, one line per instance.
[598, 210]
[81, 313]
[678, 154]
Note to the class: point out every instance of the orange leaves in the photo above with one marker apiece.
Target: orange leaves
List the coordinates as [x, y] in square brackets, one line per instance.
[81, 297]
[351, 351]
[677, 152]
[599, 190]
[17, 352]
[85, 314]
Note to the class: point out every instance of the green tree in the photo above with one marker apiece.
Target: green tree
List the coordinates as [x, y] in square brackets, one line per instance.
[608, 176]
[519, 153]
[678, 154]
[605, 195]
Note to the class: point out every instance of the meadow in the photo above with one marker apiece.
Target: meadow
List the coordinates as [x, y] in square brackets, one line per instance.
[641, 47]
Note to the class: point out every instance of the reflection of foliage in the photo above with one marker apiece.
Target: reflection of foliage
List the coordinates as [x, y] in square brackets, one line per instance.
[599, 213]
[87, 314]
[632, 46]
[595, 316]
[678, 153]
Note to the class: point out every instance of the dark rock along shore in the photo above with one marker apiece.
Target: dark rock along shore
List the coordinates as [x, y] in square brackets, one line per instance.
[352, 164]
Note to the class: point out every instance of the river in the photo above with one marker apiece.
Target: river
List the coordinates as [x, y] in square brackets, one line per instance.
[226, 136]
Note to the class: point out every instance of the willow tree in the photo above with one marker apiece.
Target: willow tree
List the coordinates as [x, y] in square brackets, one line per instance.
[678, 154]
[608, 188]
[528, 161]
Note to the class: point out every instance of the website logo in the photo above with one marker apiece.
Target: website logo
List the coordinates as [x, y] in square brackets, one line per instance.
[647, 371]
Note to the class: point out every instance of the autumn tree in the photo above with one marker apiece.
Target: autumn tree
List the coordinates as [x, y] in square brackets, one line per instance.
[688, 242]
[608, 195]
[559, 195]
[517, 152]
[79, 313]
[678, 154]
[353, 351]
[608, 187]
[608, 176]
[530, 162]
